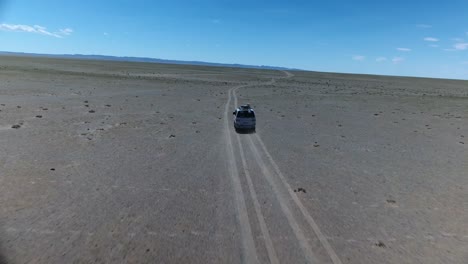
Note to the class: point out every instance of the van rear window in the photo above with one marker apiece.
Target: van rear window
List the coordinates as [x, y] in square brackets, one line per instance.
[245, 114]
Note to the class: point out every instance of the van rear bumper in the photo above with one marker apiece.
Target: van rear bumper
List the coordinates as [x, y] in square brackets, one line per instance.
[239, 126]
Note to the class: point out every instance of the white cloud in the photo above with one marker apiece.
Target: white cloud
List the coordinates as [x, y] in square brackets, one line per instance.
[423, 26]
[359, 57]
[35, 29]
[380, 59]
[458, 39]
[461, 46]
[397, 60]
[449, 49]
[66, 31]
[433, 45]
[431, 39]
[403, 49]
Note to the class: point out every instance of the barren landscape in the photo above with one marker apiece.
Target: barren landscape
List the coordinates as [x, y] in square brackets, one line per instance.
[118, 162]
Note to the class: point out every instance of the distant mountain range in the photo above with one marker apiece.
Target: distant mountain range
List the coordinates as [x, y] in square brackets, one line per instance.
[140, 59]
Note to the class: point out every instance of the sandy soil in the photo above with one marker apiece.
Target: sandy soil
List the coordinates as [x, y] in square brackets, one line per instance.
[113, 162]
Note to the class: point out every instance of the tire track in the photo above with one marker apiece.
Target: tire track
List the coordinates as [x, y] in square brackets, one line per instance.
[310, 220]
[253, 194]
[283, 200]
[285, 208]
[249, 253]
[261, 219]
[288, 74]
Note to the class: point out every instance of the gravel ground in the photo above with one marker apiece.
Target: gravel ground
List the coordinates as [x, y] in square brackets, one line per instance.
[112, 162]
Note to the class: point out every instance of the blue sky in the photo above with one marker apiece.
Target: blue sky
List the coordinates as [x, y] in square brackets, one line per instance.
[413, 38]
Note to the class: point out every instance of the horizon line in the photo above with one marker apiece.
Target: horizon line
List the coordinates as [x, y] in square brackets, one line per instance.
[194, 63]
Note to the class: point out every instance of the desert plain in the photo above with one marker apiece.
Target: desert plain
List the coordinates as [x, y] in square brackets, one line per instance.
[119, 162]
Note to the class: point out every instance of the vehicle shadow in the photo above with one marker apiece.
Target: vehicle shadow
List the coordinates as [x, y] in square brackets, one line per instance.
[3, 259]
